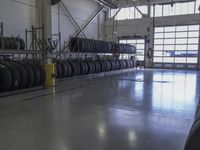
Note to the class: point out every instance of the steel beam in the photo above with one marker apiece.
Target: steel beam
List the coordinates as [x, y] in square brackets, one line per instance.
[90, 21]
[116, 13]
[138, 10]
[83, 28]
[73, 20]
[20, 51]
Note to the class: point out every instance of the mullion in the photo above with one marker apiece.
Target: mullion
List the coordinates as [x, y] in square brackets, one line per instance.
[179, 44]
[176, 31]
[187, 46]
[177, 38]
[163, 45]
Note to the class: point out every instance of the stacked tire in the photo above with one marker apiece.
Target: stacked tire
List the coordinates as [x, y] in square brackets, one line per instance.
[12, 43]
[97, 46]
[20, 75]
[72, 68]
[193, 140]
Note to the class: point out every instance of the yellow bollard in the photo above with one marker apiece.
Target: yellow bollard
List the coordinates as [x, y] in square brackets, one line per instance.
[50, 75]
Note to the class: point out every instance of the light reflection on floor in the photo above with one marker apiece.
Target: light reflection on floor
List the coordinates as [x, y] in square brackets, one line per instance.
[137, 110]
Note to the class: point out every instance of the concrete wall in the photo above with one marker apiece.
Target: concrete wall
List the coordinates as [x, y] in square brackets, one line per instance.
[139, 26]
[17, 15]
[82, 12]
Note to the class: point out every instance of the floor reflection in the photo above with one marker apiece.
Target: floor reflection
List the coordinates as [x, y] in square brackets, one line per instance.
[177, 96]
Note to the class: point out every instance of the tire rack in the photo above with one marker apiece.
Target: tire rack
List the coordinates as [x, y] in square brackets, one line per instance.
[35, 48]
[37, 45]
[36, 52]
[85, 54]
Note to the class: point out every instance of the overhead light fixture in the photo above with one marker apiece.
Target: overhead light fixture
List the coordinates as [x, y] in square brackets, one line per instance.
[107, 3]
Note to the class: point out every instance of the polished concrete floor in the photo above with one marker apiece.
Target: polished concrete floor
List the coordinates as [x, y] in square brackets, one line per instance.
[134, 110]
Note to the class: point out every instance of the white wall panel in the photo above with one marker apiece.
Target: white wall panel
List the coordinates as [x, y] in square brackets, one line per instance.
[17, 15]
[82, 11]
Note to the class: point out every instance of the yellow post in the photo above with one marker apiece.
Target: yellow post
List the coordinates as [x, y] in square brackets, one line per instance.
[50, 75]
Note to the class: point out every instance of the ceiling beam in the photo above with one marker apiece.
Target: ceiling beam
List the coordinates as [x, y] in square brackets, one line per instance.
[132, 3]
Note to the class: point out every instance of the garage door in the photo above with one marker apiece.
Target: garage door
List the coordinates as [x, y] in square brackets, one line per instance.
[139, 44]
[176, 47]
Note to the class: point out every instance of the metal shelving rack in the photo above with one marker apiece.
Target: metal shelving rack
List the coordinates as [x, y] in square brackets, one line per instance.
[36, 49]
[67, 55]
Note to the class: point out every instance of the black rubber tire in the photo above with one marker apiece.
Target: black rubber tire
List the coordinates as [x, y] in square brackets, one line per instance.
[5, 79]
[78, 70]
[108, 66]
[12, 43]
[124, 64]
[15, 75]
[1, 43]
[113, 65]
[127, 64]
[82, 68]
[64, 69]
[75, 68]
[121, 64]
[133, 63]
[130, 63]
[23, 75]
[59, 71]
[197, 112]
[37, 76]
[42, 74]
[22, 44]
[103, 65]
[193, 140]
[86, 68]
[30, 74]
[15, 44]
[117, 65]
[97, 67]
[6, 43]
[91, 67]
[69, 69]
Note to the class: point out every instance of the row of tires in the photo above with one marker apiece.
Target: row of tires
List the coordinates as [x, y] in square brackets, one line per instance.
[12, 43]
[20, 74]
[66, 69]
[89, 45]
[193, 140]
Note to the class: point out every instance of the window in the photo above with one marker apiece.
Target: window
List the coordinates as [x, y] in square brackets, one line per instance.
[140, 46]
[176, 9]
[128, 13]
[176, 44]
[160, 10]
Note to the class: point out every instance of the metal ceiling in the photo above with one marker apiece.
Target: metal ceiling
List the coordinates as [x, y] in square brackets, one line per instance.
[129, 3]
